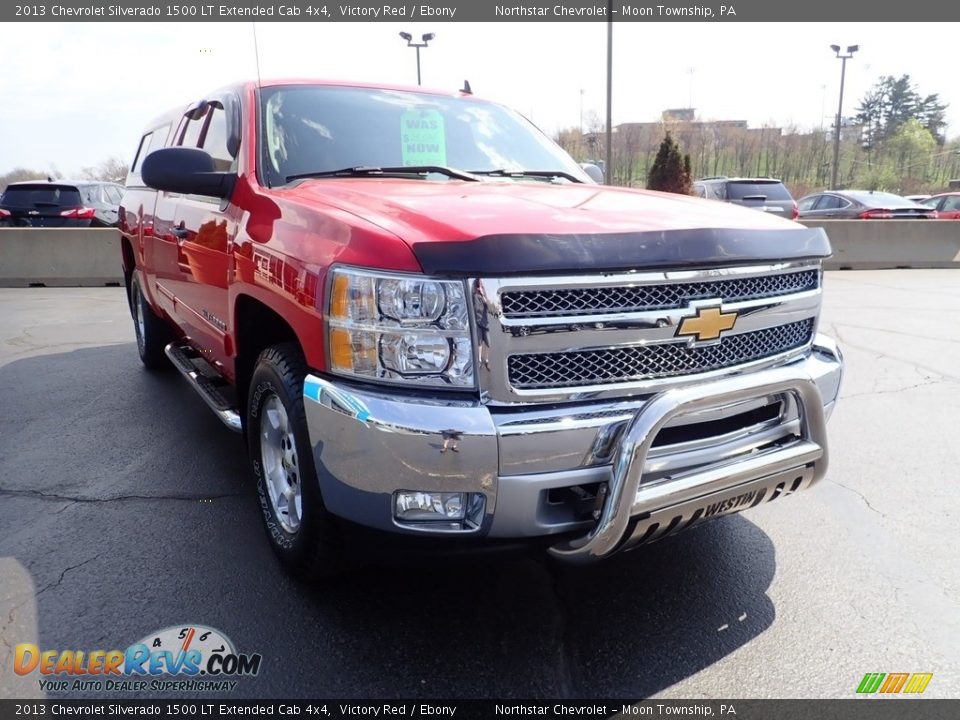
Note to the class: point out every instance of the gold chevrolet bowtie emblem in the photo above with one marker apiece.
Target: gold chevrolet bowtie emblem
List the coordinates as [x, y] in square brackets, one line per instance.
[707, 324]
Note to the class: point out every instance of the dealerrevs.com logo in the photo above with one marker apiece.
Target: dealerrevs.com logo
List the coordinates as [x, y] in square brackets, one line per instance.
[176, 659]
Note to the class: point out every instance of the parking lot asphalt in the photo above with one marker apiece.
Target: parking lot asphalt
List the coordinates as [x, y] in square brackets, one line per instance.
[125, 507]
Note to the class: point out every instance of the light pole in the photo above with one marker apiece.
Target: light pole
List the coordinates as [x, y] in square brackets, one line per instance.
[851, 49]
[426, 37]
[581, 111]
[608, 150]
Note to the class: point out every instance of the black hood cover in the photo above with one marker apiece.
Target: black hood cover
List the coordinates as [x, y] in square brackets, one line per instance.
[509, 254]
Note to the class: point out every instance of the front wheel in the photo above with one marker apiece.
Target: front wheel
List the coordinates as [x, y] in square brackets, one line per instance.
[297, 524]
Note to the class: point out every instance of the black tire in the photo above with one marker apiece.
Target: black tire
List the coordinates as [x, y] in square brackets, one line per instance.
[311, 549]
[151, 331]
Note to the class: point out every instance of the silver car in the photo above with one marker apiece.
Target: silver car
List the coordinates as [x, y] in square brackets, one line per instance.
[861, 205]
[766, 194]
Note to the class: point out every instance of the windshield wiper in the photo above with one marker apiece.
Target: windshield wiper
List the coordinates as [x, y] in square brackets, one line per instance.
[503, 172]
[373, 171]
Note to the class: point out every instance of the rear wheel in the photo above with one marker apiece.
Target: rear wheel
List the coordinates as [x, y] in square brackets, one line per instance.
[152, 333]
[298, 525]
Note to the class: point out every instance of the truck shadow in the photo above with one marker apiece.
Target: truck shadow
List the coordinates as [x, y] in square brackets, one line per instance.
[629, 627]
[94, 447]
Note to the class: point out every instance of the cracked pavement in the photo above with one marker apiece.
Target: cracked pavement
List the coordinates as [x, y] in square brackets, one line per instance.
[125, 507]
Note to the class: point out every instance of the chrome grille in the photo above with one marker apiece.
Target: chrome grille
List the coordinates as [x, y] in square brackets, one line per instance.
[641, 362]
[660, 296]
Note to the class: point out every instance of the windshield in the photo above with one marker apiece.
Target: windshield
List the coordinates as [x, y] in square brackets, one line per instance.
[315, 129]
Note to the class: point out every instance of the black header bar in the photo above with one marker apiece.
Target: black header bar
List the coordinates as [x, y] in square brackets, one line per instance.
[212, 707]
[477, 11]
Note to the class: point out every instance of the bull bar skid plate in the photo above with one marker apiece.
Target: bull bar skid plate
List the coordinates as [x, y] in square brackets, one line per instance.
[631, 514]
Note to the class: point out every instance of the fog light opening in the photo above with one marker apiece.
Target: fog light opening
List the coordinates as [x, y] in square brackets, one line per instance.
[449, 510]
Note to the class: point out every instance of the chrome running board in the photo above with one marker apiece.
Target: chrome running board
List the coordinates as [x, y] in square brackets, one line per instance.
[184, 359]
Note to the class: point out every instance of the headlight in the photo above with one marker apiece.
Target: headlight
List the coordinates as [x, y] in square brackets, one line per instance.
[403, 329]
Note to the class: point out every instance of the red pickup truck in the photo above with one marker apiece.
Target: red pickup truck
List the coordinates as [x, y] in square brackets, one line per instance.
[428, 320]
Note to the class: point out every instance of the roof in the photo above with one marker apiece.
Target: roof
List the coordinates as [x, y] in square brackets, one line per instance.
[275, 82]
[174, 114]
[740, 179]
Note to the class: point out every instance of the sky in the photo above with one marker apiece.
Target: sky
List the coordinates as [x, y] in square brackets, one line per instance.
[74, 94]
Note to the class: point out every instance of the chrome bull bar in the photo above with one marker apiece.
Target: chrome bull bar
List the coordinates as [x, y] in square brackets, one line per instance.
[630, 513]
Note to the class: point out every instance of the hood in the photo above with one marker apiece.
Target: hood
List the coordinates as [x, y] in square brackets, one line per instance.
[495, 227]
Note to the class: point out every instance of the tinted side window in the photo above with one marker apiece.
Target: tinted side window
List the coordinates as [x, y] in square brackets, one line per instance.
[150, 142]
[807, 203]
[951, 203]
[215, 140]
[113, 193]
[141, 152]
[830, 202]
[91, 194]
[191, 134]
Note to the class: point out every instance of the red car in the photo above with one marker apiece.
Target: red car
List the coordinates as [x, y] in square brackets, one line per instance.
[428, 322]
[947, 205]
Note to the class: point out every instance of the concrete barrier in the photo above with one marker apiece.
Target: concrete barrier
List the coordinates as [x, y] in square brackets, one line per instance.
[64, 257]
[68, 257]
[876, 244]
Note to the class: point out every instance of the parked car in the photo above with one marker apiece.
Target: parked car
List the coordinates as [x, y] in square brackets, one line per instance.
[60, 203]
[861, 205]
[430, 325]
[766, 194]
[947, 205]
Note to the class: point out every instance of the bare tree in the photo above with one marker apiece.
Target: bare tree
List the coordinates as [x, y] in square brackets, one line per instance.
[113, 169]
[22, 174]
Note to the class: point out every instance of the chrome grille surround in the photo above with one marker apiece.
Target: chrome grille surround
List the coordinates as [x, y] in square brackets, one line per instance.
[666, 296]
[560, 358]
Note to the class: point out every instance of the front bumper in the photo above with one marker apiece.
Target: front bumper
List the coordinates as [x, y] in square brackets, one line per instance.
[654, 464]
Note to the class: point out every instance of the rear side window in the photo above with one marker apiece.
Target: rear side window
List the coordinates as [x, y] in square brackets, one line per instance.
[41, 194]
[141, 152]
[769, 191]
[951, 204]
[92, 195]
[716, 191]
[831, 202]
[148, 143]
[114, 194]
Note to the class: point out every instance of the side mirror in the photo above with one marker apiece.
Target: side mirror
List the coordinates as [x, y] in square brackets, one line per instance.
[595, 173]
[186, 170]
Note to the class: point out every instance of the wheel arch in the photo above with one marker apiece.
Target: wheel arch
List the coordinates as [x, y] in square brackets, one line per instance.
[257, 327]
[129, 265]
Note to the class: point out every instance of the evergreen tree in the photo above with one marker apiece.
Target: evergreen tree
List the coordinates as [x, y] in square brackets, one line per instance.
[892, 102]
[670, 171]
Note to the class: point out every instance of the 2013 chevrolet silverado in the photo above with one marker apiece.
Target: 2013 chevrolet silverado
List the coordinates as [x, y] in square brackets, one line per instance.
[428, 320]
